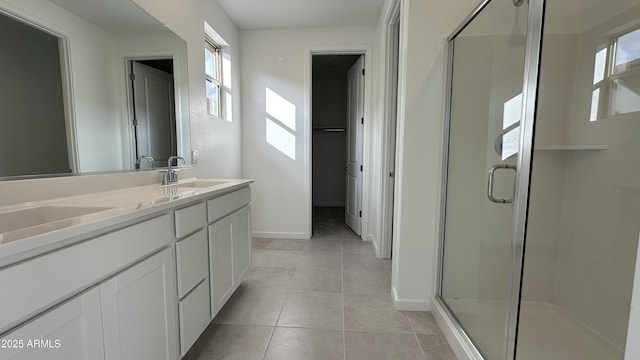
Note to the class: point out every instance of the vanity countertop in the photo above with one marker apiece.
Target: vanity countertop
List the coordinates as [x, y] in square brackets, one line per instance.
[34, 228]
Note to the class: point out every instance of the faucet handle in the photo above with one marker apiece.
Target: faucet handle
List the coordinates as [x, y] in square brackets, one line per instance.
[166, 177]
[171, 158]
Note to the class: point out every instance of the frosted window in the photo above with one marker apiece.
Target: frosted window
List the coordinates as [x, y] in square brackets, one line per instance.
[213, 98]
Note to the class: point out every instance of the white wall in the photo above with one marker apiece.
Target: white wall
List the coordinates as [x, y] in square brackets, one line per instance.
[217, 140]
[417, 204]
[280, 61]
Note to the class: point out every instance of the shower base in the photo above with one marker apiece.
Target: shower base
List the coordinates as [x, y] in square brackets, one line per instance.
[546, 332]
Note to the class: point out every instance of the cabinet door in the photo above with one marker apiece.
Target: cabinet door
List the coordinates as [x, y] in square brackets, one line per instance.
[72, 331]
[139, 311]
[221, 262]
[241, 230]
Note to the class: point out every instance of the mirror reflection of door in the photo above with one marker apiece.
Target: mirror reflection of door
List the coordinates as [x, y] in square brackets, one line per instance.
[154, 114]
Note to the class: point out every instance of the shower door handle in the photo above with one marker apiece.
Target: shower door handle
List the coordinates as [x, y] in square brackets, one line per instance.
[492, 172]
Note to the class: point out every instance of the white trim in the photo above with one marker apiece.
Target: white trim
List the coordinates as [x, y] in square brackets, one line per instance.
[454, 338]
[280, 235]
[392, 16]
[409, 304]
[367, 51]
[373, 242]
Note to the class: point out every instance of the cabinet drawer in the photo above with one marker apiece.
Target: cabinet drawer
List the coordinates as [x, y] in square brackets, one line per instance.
[190, 219]
[192, 261]
[194, 316]
[226, 204]
[35, 285]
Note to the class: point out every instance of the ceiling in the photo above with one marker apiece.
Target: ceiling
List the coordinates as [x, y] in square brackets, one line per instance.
[287, 14]
[115, 16]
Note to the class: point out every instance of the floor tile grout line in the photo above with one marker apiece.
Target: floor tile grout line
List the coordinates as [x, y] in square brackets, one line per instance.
[275, 326]
[415, 336]
[266, 350]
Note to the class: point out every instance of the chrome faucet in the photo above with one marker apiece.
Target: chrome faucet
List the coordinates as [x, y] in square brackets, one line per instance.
[144, 157]
[170, 176]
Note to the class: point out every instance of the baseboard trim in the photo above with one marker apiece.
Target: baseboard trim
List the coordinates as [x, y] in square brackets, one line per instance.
[375, 246]
[457, 340]
[280, 235]
[409, 304]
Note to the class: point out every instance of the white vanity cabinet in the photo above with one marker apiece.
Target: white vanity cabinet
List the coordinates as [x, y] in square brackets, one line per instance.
[138, 308]
[229, 244]
[71, 331]
[192, 268]
[142, 289]
[124, 307]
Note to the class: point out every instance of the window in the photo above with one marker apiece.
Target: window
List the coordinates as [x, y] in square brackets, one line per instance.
[616, 77]
[213, 76]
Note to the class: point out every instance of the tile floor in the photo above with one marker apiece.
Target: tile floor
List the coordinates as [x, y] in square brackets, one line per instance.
[325, 298]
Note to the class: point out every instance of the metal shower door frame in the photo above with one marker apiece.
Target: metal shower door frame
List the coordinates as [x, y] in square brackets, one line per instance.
[525, 157]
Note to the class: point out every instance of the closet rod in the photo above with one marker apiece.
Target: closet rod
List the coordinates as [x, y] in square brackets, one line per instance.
[330, 129]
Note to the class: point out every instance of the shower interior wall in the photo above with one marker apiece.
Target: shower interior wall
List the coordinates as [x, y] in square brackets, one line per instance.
[584, 213]
[584, 206]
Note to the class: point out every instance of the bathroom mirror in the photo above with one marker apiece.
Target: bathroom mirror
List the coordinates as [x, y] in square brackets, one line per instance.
[69, 103]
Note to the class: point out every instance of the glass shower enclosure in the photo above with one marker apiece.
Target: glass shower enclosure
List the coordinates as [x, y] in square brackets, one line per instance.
[541, 207]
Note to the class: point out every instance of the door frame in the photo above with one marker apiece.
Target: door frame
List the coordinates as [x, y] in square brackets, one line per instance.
[391, 77]
[128, 133]
[367, 51]
[453, 330]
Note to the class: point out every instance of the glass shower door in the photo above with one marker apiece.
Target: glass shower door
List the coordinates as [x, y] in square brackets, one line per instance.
[487, 103]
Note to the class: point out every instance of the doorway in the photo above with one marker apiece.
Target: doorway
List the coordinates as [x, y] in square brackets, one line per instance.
[337, 144]
[152, 107]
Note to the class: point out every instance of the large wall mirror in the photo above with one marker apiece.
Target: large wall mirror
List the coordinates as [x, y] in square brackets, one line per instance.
[89, 86]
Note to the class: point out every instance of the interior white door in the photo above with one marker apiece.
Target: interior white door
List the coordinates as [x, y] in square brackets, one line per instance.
[154, 113]
[355, 135]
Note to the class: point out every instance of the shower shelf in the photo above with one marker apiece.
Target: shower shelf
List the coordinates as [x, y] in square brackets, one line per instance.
[570, 147]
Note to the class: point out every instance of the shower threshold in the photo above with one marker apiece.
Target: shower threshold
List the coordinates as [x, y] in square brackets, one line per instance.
[546, 332]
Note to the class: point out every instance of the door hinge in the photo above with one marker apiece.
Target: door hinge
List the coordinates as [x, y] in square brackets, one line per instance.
[135, 122]
[132, 76]
[362, 72]
[360, 213]
[362, 121]
[360, 168]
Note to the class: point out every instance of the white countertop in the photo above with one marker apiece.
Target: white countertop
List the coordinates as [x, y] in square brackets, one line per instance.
[123, 207]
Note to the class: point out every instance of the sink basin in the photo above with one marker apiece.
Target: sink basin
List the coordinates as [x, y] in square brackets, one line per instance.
[202, 183]
[20, 219]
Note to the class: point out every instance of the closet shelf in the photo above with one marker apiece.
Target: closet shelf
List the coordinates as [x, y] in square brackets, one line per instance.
[570, 147]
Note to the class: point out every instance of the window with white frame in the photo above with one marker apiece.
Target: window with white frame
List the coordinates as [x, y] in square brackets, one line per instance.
[213, 76]
[616, 77]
